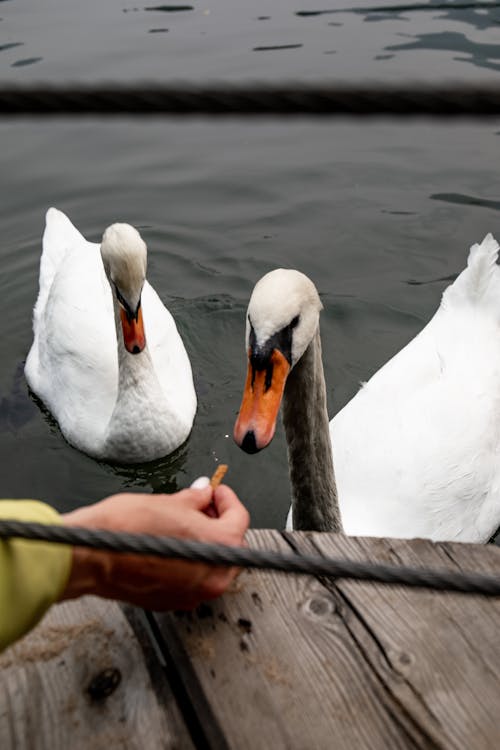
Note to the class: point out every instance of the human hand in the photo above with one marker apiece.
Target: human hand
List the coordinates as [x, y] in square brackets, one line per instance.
[153, 582]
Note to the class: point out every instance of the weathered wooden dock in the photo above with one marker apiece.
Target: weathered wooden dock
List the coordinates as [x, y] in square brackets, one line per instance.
[279, 662]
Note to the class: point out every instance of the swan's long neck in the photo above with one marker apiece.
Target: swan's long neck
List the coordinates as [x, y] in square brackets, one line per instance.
[132, 368]
[305, 418]
[139, 397]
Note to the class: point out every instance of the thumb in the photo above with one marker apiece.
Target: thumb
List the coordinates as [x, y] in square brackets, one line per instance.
[199, 496]
[200, 483]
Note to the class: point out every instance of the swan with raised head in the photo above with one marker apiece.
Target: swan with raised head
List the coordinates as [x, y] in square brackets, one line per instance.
[417, 450]
[107, 359]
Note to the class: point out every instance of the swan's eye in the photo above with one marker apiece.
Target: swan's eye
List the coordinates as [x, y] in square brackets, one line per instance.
[295, 322]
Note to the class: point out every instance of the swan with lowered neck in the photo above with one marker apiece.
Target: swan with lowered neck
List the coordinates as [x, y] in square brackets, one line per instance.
[417, 450]
[107, 359]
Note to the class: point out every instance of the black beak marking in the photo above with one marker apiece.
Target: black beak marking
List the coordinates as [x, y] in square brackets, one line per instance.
[249, 445]
[131, 315]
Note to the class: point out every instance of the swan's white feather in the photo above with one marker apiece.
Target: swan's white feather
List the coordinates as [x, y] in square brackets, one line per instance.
[417, 450]
[73, 362]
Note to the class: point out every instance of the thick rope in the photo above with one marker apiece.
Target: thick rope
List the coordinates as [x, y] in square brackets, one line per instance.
[218, 554]
[259, 99]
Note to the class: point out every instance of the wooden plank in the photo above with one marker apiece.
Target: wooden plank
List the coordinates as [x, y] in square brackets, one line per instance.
[198, 715]
[436, 653]
[292, 661]
[79, 680]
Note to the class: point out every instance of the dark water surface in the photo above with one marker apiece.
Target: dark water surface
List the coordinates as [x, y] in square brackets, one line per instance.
[380, 215]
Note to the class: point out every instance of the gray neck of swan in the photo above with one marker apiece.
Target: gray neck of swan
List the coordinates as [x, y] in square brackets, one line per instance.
[305, 418]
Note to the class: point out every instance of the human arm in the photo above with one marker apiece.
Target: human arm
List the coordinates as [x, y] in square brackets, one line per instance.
[32, 574]
[153, 582]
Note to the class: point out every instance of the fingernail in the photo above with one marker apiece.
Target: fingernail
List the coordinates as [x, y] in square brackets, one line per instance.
[200, 483]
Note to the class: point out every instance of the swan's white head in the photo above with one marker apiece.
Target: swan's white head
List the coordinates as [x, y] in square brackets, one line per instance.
[282, 319]
[124, 256]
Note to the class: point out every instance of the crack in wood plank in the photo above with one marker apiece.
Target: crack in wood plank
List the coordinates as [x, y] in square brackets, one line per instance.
[424, 738]
[191, 699]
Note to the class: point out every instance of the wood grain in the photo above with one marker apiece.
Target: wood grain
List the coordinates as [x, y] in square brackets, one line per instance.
[437, 654]
[54, 685]
[296, 662]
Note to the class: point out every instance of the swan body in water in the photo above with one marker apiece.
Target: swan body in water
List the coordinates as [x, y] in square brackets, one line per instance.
[417, 450]
[107, 359]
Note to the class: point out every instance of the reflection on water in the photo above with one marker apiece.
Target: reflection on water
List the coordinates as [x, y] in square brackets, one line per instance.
[16, 408]
[481, 55]
[159, 476]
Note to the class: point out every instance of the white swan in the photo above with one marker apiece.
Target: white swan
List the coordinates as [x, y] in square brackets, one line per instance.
[107, 359]
[417, 450]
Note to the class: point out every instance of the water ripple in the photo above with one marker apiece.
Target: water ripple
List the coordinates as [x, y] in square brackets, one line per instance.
[481, 55]
[26, 61]
[449, 279]
[410, 8]
[481, 15]
[277, 46]
[465, 200]
[170, 8]
[10, 45]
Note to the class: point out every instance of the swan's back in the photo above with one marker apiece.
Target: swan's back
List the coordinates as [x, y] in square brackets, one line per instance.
[417, 450]
[74, 341]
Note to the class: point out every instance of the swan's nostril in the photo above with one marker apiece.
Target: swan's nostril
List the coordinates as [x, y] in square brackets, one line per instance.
[249, 445]
[136, 350]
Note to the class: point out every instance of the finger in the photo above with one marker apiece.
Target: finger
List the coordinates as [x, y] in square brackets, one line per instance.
[197, 499]
[200, 483]
[232, 513]
[210, 511]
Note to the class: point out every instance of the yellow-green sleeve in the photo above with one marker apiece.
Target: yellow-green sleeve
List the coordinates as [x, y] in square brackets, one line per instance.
[33, 575]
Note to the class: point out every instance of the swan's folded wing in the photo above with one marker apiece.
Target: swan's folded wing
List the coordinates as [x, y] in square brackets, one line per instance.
[73, 364]
[59, 236]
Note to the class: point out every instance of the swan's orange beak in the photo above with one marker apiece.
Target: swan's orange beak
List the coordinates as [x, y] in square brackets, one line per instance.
[256, 423]
[134, 337]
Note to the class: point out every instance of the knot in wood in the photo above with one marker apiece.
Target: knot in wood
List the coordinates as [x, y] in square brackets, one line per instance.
[405, 659]
[104, 684]
[319, 606]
